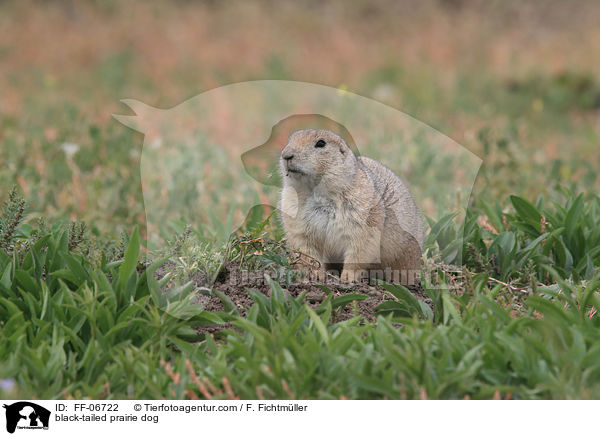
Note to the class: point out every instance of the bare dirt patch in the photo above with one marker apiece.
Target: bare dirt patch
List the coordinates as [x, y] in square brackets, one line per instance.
[315, 293]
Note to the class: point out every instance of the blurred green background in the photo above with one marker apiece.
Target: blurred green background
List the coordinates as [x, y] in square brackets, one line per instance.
[516, 83]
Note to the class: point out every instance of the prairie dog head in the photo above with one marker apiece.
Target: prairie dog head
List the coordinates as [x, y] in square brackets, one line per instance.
[314, 156]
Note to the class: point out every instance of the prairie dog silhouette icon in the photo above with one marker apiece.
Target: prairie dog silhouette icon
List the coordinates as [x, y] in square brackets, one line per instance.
[30, 413]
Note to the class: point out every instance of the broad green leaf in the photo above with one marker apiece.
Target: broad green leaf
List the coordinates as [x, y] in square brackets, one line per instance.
[318, 324]
[346, 299]
[130, 260]
[527, 211]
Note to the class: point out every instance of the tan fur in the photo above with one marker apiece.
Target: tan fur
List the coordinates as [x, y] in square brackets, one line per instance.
[346, 210]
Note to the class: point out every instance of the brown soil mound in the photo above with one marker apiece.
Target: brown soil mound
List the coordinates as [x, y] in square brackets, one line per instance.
[315, 294]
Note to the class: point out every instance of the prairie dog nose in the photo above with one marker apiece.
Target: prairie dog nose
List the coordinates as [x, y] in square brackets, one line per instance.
[287, 154]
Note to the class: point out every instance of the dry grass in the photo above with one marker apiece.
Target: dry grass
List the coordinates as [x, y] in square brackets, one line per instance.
[210, 43]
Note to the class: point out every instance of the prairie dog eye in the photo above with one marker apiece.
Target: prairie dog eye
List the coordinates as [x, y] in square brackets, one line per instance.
[320, 144]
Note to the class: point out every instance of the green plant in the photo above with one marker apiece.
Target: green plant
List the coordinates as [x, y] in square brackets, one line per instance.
[66, 325]
[518, 245]
[12, 215]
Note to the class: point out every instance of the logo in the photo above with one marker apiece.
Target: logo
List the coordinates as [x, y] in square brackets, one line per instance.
[26, 415]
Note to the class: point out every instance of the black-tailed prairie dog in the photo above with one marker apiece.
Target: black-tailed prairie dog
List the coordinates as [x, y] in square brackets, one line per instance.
[352, 214]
